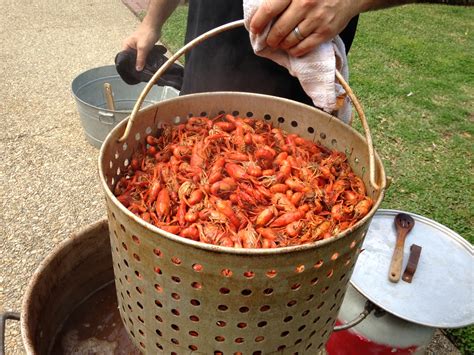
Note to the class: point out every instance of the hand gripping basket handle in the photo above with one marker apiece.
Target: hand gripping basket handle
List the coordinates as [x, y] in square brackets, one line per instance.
[232, 25]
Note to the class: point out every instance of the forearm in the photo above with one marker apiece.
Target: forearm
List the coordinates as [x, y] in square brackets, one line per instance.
[368, 5]
[158, 12]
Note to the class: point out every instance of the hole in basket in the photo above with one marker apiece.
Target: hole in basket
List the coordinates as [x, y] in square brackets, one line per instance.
[219, 338]
[176, 279]
[314, 281]
[324, 290]
[221, 323]
[127, 278]
[193, 347]
[281, 119]
[157, 252]
[271, 273]
[267, 117]
[175, 260]
[130, 320]
[249, 114]
[310, 130]
[318, 264]
[296, 286]
[244, 309]
[268, 291]
[287, 319]
[137, 136]
[320, 305]
[285, 333]
[332, 307]
[309, 346]
[334, 142]
[259, 338]
[194, 318]
[294, 124]
[328, 320]
[159, 346]
[124, 246]
[249, 274]
[334, 256]
[148, 130]
[141, 332]
[322, 135]
[193, 333]
[239, 340]
[142, 345]
[264, 308]
[316, 319]
[262, 324]
[158, 303]
[141, 320]
[342, 277]
[197, 267]
[235, 113]
[157, 270]
[111, 164]
[330, 273]
[175, 296]
[175, 312]
[128, 293]
[305, 313]
[139, 290]
[281, 348]
[118, 171]
[224, 290]
[226, 272]
[310, 297]
[299, 268]
[158, 288]
[135, 239]
[175, 341]
[174, 327]
[136, 257]
[312, 334]
[291, 303]
[158, 318]
[301, 328]
[353, 244]
[337, 292]
[203, 114]
[222, 307]
[246, 292]
[195, 302]
[196, 285]
[139, 305]
[298, 341]
[131, 310]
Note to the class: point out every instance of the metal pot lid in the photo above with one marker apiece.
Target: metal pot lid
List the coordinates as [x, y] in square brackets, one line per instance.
[441, 294]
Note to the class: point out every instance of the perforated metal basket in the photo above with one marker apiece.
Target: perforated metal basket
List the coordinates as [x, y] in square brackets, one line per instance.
[180, 296]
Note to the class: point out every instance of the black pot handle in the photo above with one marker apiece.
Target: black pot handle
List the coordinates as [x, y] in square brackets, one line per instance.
[3, 319]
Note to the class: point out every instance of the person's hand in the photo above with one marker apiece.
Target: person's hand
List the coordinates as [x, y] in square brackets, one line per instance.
[143, 40]
[317, 21]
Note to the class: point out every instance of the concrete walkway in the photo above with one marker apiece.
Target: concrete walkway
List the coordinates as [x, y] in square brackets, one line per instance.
[49, 185]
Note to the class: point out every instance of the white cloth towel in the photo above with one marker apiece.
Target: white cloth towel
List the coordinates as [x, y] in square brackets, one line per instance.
[316, 70]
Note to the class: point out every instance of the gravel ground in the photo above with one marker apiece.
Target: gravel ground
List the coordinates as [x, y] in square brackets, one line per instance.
[49, 183]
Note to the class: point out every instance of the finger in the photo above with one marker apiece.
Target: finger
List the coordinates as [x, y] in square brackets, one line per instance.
[141, 58]
[306, 27]
[267, 11]
[307, 45]
[284, 25]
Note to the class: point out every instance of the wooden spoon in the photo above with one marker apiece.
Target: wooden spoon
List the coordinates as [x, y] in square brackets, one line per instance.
[404, 224]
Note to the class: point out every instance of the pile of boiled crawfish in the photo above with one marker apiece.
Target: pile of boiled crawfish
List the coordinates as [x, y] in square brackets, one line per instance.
[239, 182]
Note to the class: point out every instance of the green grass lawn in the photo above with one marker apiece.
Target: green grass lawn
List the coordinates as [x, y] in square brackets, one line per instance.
[412, 68]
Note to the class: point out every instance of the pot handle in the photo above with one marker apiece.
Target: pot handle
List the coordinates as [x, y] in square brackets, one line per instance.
[3, 318]
[368, 308]
[232, 25]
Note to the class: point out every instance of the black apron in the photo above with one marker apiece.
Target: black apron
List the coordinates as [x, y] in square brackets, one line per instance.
[226, 62]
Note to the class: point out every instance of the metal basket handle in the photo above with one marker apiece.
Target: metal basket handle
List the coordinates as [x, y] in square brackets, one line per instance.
[232, 25]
